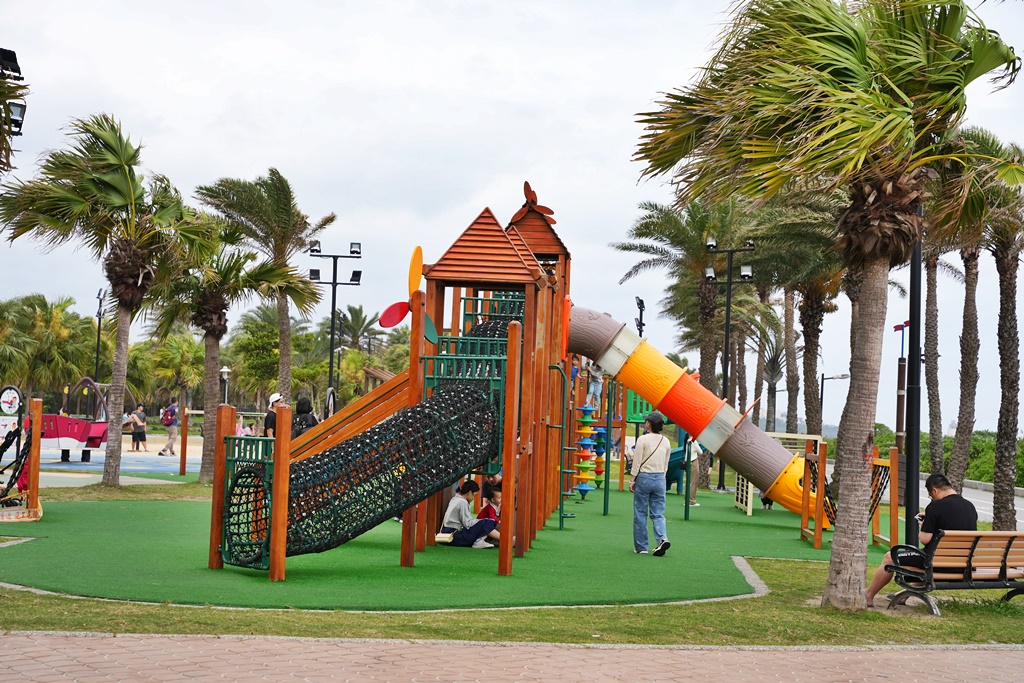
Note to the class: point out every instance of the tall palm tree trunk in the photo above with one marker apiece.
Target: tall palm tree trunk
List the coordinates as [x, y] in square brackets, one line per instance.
[853, 281]
[762, 347]
[115, 398]
[769, 410]
[707, 303]
[845, 586]
[1004, 516]
[812, 315]
[792, 369]
[284, 363]
[211, 399]
[741, 371]
[936, 450]
[969, 348]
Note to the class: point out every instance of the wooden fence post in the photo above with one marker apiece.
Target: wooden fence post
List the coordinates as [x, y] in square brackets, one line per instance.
[509, 452]
[279, 496]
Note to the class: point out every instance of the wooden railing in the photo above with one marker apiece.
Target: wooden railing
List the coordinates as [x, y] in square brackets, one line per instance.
[356, 417]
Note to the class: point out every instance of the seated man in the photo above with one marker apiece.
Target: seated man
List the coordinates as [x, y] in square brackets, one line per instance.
[948, 511]
[491, 482]
[458, 520]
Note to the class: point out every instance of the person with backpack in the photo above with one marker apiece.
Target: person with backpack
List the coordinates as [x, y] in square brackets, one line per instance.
[304, 419]
[169, 419]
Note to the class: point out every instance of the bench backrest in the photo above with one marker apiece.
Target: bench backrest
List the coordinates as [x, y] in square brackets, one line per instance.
[986, 550]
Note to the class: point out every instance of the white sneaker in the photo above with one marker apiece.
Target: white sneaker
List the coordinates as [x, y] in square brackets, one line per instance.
[482, 543]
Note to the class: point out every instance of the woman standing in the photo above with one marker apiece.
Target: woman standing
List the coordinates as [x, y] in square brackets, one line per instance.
[650, 463]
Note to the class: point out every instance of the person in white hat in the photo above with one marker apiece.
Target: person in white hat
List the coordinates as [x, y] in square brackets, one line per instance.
[270, 421]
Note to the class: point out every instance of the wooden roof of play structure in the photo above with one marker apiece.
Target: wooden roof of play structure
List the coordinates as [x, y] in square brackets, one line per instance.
[487, 254]
[484, 253]
[533, 222]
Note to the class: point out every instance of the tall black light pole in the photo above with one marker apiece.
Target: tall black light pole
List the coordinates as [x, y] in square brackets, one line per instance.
[912, 483]
[746, 273]
[355, 250]
[640, 320]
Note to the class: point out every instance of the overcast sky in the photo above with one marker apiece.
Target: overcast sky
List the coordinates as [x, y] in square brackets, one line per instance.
[408, 118]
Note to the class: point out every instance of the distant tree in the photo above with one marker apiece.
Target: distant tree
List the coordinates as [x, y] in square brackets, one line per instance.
[93, 194]
[267, 214]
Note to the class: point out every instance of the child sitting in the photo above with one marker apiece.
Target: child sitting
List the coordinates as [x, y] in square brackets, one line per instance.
[492, 508]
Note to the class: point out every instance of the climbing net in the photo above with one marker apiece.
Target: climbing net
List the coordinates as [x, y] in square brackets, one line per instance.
[879, 482]
[349, 489]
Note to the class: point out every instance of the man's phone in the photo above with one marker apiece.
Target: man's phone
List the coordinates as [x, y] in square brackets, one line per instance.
[919, 517]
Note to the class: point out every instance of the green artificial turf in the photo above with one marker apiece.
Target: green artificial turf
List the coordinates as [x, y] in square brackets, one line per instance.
[157, 551]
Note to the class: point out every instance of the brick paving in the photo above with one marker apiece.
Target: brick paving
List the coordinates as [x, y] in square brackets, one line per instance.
[45, 657]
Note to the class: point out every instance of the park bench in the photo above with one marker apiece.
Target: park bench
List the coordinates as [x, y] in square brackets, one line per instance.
[960, 560]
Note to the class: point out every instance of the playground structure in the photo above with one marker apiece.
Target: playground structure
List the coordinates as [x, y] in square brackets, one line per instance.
[489, 393]
[88, 433]
[23, 471]
[473, 400]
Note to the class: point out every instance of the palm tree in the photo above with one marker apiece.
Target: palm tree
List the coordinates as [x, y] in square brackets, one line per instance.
[61, 343]
[266, 213]
[983, 197]
[16, 347]
[676, 240]
[933, 263]
[92, 193]
[1005, 243]
[178, 364]
[774, 372]
[861, 91]
[356, 328]
[201, 289]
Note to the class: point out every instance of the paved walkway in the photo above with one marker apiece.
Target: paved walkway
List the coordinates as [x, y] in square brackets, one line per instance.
[94, 657]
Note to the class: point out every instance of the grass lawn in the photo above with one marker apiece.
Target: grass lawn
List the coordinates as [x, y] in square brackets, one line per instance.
[151, 546]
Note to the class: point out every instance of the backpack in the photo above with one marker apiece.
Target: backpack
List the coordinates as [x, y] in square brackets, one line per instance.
[302, 423]
[167, 419]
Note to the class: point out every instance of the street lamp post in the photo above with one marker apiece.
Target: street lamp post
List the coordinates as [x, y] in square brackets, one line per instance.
[225, 372]
[355, 251]
[821, 394]
[640, 320]
[746, 273]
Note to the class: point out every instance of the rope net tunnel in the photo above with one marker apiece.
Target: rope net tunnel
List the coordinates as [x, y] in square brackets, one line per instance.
[344, 491]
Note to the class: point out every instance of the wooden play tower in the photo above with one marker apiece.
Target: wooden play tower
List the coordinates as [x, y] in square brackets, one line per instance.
[486, 266]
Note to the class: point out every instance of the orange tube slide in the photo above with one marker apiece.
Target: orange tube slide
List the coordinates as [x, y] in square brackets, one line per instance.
[718, 426]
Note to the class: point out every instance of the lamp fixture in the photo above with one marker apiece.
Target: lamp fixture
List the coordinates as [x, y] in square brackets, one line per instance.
[17, 116]
[746, 272]
[314, 275]
[709, 274]
[712, 244]
[355, 248]
[640, 303]
[9, 65]
[314, 247]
